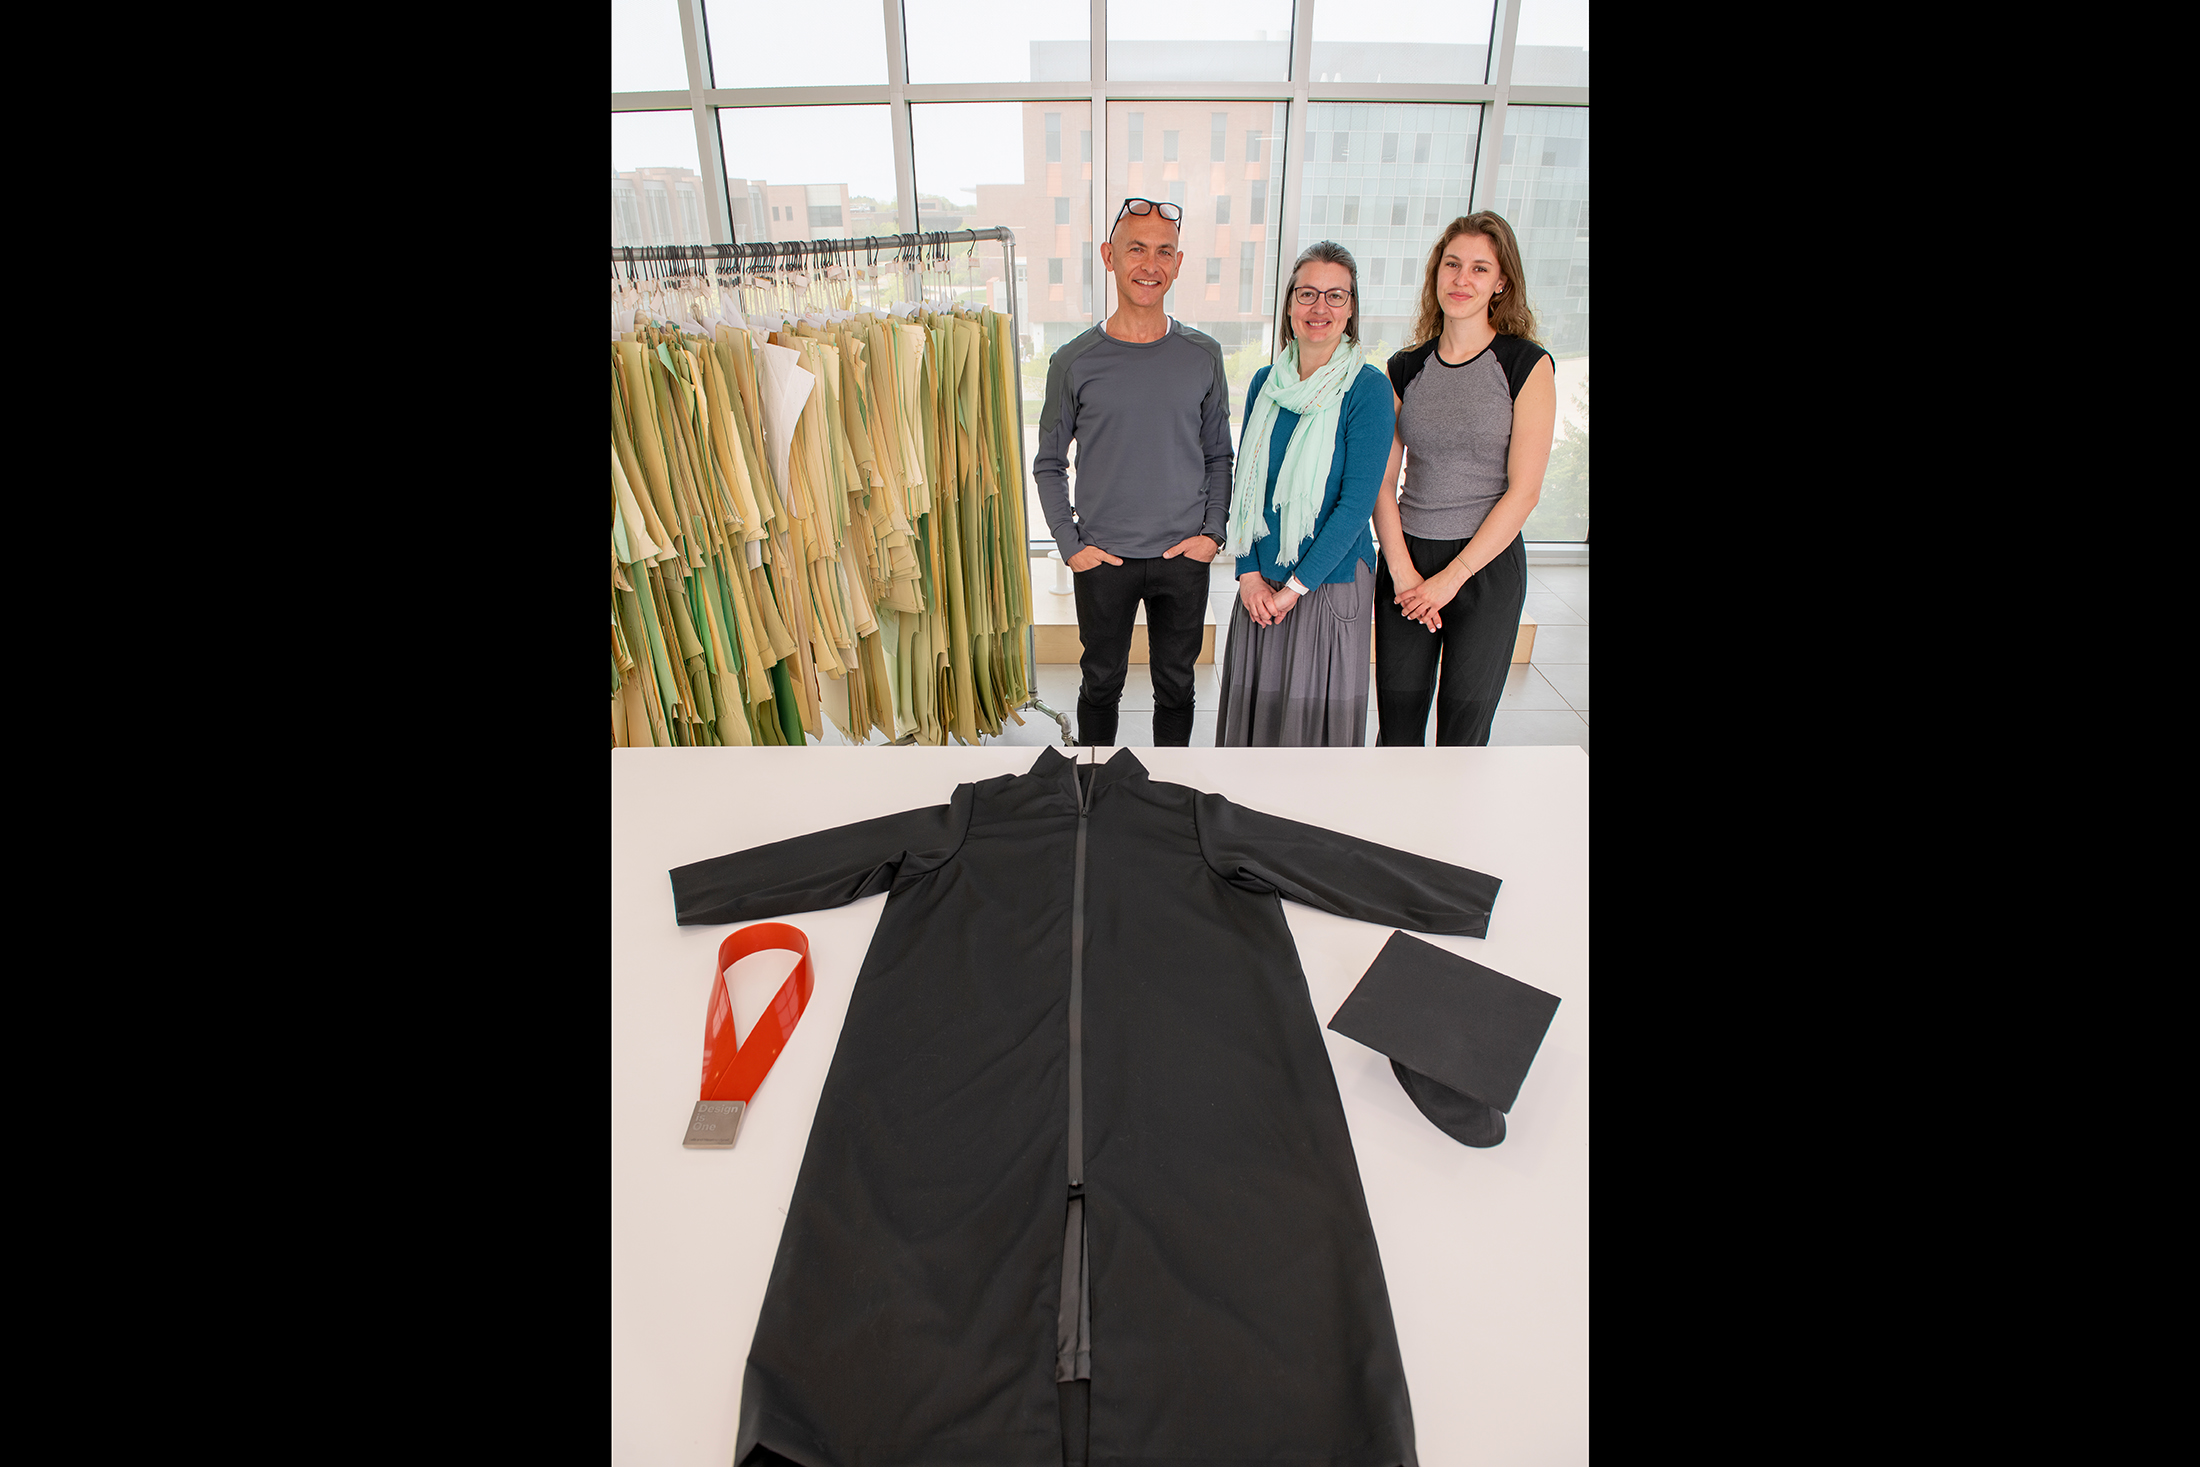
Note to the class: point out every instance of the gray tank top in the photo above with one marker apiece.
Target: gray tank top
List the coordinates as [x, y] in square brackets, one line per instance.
[1457, 425]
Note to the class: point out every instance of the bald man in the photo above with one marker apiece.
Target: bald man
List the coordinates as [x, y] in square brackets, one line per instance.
[1146, 400]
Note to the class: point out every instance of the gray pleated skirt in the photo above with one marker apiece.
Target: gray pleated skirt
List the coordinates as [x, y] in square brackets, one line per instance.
[1303, 682]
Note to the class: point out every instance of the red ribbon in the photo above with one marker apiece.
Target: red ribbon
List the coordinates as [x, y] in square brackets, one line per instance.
[733, 1074]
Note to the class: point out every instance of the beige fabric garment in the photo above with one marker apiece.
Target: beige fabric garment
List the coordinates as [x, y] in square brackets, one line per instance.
[622, 437]
[829, 636]
[716, 514]
[642, 545]
[737, 672]
[814, 607]
[654, 701]
[761, 598]
[718, 517]
[886, 396]
[733, 465]
[787, 588]
[949, 495]
[860, 609]
[879, 682]
[847, 476]
[631, 700]
[911, 382]
[734, 348]
[641, 424]
[679, 455]
[676, 652]
[815, 472]
[733, 728]
[756, 647]
[856, 412]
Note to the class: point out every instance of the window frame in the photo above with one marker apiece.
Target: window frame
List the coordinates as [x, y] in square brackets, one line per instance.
[704, 99]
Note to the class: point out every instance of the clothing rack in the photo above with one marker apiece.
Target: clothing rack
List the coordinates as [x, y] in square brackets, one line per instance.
[636, 258]
[638, 261]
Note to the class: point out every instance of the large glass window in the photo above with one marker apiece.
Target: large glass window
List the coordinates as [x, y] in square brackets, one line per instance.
[653, 168]
[819, 43]
[984, 164]
[1552, 47]
[995, 140]
[997, 40]
[809, 172]
[1388, 211]
[1199, 40]
[646, 53]
[1402, 41]
[1543, 192]
[1230, 215]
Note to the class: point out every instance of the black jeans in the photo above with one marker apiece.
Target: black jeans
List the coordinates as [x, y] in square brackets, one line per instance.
[1475, 647]
[1175, 592]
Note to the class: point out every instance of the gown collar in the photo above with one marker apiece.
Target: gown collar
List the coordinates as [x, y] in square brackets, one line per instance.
[1060, 772]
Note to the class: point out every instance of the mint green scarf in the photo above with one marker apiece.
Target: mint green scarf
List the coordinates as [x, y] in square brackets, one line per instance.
[1305, 471]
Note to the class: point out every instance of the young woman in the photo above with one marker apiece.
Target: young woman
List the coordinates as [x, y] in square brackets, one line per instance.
[1476, 400]
[1319, 423]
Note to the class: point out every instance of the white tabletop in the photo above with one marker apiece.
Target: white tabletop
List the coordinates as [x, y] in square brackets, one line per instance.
[1486, 1251]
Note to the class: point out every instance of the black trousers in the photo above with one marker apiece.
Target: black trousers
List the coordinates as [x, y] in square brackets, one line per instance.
[1175, 593]
[1463, 666]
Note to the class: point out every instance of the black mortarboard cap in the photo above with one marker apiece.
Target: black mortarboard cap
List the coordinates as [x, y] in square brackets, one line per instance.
[1460, 1036]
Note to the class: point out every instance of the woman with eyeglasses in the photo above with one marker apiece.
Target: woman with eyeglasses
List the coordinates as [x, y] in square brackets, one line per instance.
[1318, 428]
[1476, 401]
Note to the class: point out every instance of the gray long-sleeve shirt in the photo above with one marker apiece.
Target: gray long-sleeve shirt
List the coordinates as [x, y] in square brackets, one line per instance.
[1152, 425]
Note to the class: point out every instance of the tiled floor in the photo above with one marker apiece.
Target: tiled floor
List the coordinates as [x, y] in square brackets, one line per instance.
[1546, 699]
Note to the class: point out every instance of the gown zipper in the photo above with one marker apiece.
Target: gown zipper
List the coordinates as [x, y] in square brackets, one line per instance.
[1077, 1002]
[1073, 1329]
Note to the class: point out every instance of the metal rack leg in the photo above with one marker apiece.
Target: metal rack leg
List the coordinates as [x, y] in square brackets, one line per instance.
[1031, 670]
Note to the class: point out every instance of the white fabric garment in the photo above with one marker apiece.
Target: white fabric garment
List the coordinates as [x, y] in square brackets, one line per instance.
[787, 388]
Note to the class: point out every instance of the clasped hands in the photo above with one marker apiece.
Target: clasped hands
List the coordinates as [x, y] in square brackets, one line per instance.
[1423, 599]
[1264, 603]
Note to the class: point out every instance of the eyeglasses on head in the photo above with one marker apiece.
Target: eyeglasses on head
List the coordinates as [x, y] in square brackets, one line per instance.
[1171, 212]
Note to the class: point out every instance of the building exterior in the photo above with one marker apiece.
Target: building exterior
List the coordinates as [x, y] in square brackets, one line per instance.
[664, 206]
[658, 206]
[1380, 179]
[1215, 160]
[791, 210]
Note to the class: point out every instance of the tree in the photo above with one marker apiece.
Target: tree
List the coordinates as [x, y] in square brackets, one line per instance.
[1562, 510]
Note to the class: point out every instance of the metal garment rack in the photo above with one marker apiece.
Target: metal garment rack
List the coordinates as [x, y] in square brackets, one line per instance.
[646, 261]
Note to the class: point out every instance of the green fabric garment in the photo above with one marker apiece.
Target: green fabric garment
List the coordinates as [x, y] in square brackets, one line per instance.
[640, 625]
[642, 612]
[790, 719]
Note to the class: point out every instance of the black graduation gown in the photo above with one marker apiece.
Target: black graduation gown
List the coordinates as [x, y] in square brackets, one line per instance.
[1233, 1296]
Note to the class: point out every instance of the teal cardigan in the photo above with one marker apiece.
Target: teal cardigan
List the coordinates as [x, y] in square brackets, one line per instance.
[1342, 536]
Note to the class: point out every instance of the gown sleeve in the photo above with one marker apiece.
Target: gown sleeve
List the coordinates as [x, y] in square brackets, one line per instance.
[1341, 873]
[830, 868]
